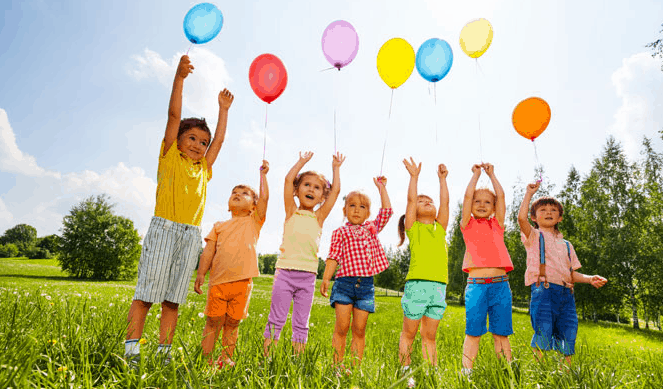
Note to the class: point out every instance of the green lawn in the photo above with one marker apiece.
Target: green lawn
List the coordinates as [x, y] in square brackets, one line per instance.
[60, 332]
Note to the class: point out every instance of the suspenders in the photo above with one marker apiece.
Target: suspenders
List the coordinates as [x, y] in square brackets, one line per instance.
[542, 264]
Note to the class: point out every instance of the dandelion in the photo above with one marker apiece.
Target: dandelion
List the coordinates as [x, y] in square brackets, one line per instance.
[52, 341]
[63, 369]
[193, 319]
[201, 315]
[142, 341]
[52, 304]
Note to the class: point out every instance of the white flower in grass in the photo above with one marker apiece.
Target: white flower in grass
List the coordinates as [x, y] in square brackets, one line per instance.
[78, 295]
[48, 297]
[43, 294]
[93, 307]
[312, 324]
[201, 315]
[158, 316]
[149, 314]
[14, 292]
[260, 315]
[110, 305]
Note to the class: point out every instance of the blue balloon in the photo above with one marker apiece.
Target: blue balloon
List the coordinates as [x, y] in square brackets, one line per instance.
[202, 23]
[434, 59]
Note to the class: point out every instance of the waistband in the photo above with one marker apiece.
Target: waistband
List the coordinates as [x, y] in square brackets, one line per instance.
[365, 280]
[169, 224]
[487, 280]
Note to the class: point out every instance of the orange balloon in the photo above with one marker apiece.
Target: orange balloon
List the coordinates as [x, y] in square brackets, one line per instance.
[531, 117]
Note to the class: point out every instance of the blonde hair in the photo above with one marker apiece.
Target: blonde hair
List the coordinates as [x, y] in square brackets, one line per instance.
[326, 186]
[486, 190]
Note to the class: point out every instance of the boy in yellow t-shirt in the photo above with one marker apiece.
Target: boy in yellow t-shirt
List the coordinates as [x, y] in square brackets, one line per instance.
[173, 241]
[230, 257]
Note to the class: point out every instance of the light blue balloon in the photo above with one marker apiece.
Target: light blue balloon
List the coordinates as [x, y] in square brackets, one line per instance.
[202, 23]
[434, 59]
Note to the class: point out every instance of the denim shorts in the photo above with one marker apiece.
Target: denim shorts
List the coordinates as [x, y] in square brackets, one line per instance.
[554, 318]
[492, 300]
[356, 291]
[424, 298]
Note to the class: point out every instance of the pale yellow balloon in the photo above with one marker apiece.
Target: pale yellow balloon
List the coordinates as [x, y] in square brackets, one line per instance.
[476, 37]
[395, 62]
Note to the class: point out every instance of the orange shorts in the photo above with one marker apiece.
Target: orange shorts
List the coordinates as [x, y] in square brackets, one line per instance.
[230, 298]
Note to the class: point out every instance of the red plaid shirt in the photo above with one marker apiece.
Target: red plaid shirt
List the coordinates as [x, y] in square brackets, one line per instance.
[357, 248]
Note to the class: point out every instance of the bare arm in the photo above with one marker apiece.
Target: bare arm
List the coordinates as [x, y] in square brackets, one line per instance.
[381, 183]
[330, 268]
[205, 264]
[175, 106]
[443, 212]
[411, 207]
[469, 196]
[225, 101]
[289, 187]
[500, 202]
[263, 198]
[327, 206]
[525, 227]
[595, 280]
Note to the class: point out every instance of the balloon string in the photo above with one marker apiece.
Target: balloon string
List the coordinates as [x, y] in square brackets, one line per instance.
[391, 102]
[538, 164]
[435, 110]
[264, 145]
[334, 131]
[386, 132]
[476, 61]
[324, 70]
[187, 50]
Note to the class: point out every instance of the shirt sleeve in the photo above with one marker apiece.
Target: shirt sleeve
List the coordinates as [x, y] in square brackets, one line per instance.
[383, 218]
[336, 246]
[575, 263]
[213, 235]
[529, 240]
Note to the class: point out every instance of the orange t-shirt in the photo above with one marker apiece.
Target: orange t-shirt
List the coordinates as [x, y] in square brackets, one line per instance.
[484, 242]
[236, 257]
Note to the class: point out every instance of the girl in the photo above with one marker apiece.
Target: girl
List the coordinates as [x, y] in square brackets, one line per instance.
[356, 248]
[297, 265]
[551, 272]
[487, 261]
[426, 281]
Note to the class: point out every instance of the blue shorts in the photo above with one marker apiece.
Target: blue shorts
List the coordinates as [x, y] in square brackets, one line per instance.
[356, 291]
[424, 298]
[554, 318]
[492, 300]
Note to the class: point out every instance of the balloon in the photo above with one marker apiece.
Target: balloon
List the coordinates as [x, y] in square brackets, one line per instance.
[395, 62]
[340, 43]
[268, 77]
[531, 117]
[202, 23]
[476, 37]
[434, 59]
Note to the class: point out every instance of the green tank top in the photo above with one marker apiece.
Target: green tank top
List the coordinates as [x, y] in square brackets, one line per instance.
[428, 253]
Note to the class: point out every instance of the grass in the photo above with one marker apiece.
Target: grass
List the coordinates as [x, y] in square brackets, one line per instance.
[58, 332]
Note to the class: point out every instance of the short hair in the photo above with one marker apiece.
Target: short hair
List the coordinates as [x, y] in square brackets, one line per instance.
[326, 186]
[189, 123]
[363, 198]
[540, 202]
[250, 189]
[487, 190]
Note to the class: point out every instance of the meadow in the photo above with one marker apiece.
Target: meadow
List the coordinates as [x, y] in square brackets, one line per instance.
[56, 332]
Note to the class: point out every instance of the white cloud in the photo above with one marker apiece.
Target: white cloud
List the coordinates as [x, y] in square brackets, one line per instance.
[202, 87]
[12, 160]
[639, 84]
[6, 217]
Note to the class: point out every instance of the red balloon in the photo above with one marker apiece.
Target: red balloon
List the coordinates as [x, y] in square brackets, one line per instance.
[268, 77]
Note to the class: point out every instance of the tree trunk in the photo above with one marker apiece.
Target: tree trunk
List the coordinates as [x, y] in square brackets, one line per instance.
[634, 307]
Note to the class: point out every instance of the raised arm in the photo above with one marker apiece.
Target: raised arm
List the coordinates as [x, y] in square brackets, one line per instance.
[289, 187]
[175, 106]
[327, 206]
[469, 195]
[443, 211]
[500, 202]
[225, 101]
[381, 183]
[263, 197]
[205, 264]
[411, 207]
[523, 221]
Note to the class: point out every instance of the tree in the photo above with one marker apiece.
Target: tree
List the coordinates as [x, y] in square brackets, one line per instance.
[267, 263]
[98, 244]
[657, 47]
[22, 235]
[50, 243]
[8, 250]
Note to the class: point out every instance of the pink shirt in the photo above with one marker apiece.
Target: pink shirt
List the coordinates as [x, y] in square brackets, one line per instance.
[484, 242]
[557, 258]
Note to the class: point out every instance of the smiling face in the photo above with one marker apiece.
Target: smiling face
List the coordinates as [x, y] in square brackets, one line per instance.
[310, 191]
[483, 204]
[357, 208]
[425, 206]
[193, 142]
[242, 200]
[547, 216]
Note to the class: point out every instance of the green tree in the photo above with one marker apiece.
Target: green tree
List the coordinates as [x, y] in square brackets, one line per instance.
[267, 263]
[23, 236]
[49, 242]
[456, 252]
[657, 48]
[98, 244]
[8, 250]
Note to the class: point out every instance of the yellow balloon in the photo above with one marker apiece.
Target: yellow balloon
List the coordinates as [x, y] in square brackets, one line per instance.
[395, 62]
[476, 37]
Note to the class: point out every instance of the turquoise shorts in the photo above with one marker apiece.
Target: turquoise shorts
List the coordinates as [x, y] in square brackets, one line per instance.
[424, 298]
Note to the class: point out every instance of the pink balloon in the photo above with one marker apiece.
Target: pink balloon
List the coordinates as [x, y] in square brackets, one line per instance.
[340, 43]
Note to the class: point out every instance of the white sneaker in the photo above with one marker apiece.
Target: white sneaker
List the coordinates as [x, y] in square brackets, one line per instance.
[411, 383]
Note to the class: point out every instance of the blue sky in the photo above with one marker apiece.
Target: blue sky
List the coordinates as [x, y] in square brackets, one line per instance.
[86, 85]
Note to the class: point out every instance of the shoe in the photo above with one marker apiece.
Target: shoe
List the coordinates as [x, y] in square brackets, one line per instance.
[133, 360]
[221, 364]
[341, 371]
[466, 373]
[411, 383]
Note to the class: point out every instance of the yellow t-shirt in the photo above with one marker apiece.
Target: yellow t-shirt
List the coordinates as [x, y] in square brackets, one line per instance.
[428, 252]
[236, 257]
[301, 239]
[181, 186]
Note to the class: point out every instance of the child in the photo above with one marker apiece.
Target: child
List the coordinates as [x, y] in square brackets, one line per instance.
[426, 281]
[173, 242]
[487, 261]
[356, 249]
[297, 265]
[230, 254]
[551, 272]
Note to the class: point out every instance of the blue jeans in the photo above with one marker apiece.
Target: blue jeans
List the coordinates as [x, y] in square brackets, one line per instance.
[554, 318]
[356, 291]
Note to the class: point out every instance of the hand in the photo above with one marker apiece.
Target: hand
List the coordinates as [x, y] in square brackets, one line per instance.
[412, 167]
[442, 171]
[380, 182]
[597, 281]
[184, 68]
[337, 160]
[305, 157]
[324, 286]
[225, 99]
[476, 169]
[532, 188]
[489, 168]
[200, 280]
[264, 168]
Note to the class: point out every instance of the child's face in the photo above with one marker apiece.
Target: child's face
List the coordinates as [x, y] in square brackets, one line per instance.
[425, 206]
[483, 205]
[193, 142]
[355, 210]
[240, 200]
[310, 191]
[547, 216]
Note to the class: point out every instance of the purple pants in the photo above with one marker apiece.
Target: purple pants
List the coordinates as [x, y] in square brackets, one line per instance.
[289, 286]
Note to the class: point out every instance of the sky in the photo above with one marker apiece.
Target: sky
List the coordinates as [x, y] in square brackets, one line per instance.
[86, 85]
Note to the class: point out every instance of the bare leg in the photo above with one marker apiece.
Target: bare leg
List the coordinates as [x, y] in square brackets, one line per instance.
[470, 350]
[538, 355]
[359, 319]
[211, 332]
[408, 333]
[298, 347]
[267, 345]
[229, 341]
[428, 332]
[168, 322]
[341, 327]
[136, 318]
[502, 346]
